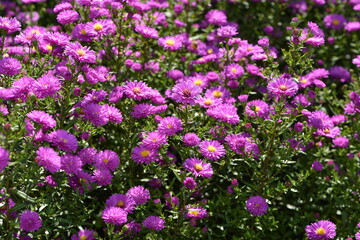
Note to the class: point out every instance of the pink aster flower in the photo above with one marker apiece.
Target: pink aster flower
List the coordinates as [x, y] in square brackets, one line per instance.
[208, 102]
[218, 92]
[233, 71]
[114, 215]
[154, 223]
[84, 234]
[143, 110]
[320, 120]
[335, 21]
[48, 158]
[321, 230]
[10, 25]
[30, 221]
[169, 126]
[356, 61]
[224, 112]
[45, 120]
[10, 66]
[216, 17]
[46, 86]
[185, 92]
[144, 154]
[139, 194]
[101, 27]
[137, 90]
[112, 113]
[283, 87]
[71, 164]
[107, 159]
[63, 140]
[212, 149]
[67, 16]
[80, 53]
[227, 31]
[256, 205]
[122, 201]
[170, 43]
[196, 212]
[154, 139]
[198, 167]
[191, 139]
[4, 158]
[257, 108]
[146, 31]
[93, 112]
[341, 142]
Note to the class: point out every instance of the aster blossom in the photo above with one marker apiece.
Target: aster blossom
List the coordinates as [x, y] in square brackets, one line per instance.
[257, 108]
[114, 215]
[212, 149]
[154, 223]
[170, 43]
[321, 230]
[30, 221]
[224, 112]
[283, 87]
[185, 92]
[48, 158]
[198, 167]
[122, 201]
[169, 126]
[4, 158]
[10, 66]
[63, 140]
[80, 53]
[44, 119]
[256, 205]
[139, 194]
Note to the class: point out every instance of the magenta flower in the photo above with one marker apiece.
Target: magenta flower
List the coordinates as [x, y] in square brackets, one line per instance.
[212, 149]
[154, 223]
[102, 176]
[107, 159]
[154, 139]
[63, 140]
[48, 158]
[169, 126]
[10, 25]
[122, 201]
[144, 154]
[198, 167]
[114, 215]
[30, 221]
[146, 31]
[139, 194]
[95, 114]
[335, 21]
[233, 71]
[4, 158]
[196, 212]
[341, 142]
[224, 112]
[10, 66]
[283, 87]
[256, 205]
[317, 166]
[45, 120]
[257, 108]
[46, 86]
[216, 17]
[137, 90]
[80, 53]
[320, 120]
[170, 43]
[84, 234]
[321, 230]
[185, 92]
[191, 139]
[101, 27]
[71, 164]
[67, 16]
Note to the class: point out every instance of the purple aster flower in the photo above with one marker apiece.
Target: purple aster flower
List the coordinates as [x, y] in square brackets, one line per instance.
[256, 205]
[114, 215]
[22, 86]
[340, 74]
[112, 113]
[80, 181]
[79, 32]
[10, 25]
[64, 140]
[139, 194]
[216, 17]
[257, 108]
[208, 102]
[107, 159]
[93, 112]
[144, 154]
[169, 126]
[71, 164]
[45, 120]
[196, 212]
[218, 92]
[87, 155]
[146, 31]
[137, 90]
[321, 230]
[191, 139]
[320, 120]
[101, 27]
[212, 149]
[80, 53]
[283, 86]
[185, 92]
[48, 158]
[317, 166]
[356, 61]
[67, 16]
[142, 110]
[352, 26]
[122, 201]
[4, 158]
[224, 112]
[84, 234]
[46, 86]
[190, 183]
[154, 139]
[233, 71]
[102, 176]
[62, 7]
[154, 223]
[227, 31]
[170, 43]
[10, 66]
[328, 132]
[335, 21]
[30, 221]
[315, 41]
[341, 142]
[198, 167]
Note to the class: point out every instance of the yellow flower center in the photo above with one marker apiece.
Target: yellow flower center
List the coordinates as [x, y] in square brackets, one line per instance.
[170, 42]
[211, 148]
[208, 102]
[81, 52]
[34, 31]
[169, 125]
[49, 47]
[98, 27]
[83, 32]
[256, 109]
[5, 55]
[198, 82]
[209, 51]
[83, 237]
[304, 80]
[326, 130]
[217, 94]
[198, 167]
[250, 49]
[120, 204]
[144, 153]
[283, 87]
[106, 160]
[193, 212]
[136, 90]
[233, 70]
[63, 140]
[320, 231]
[336, 22]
